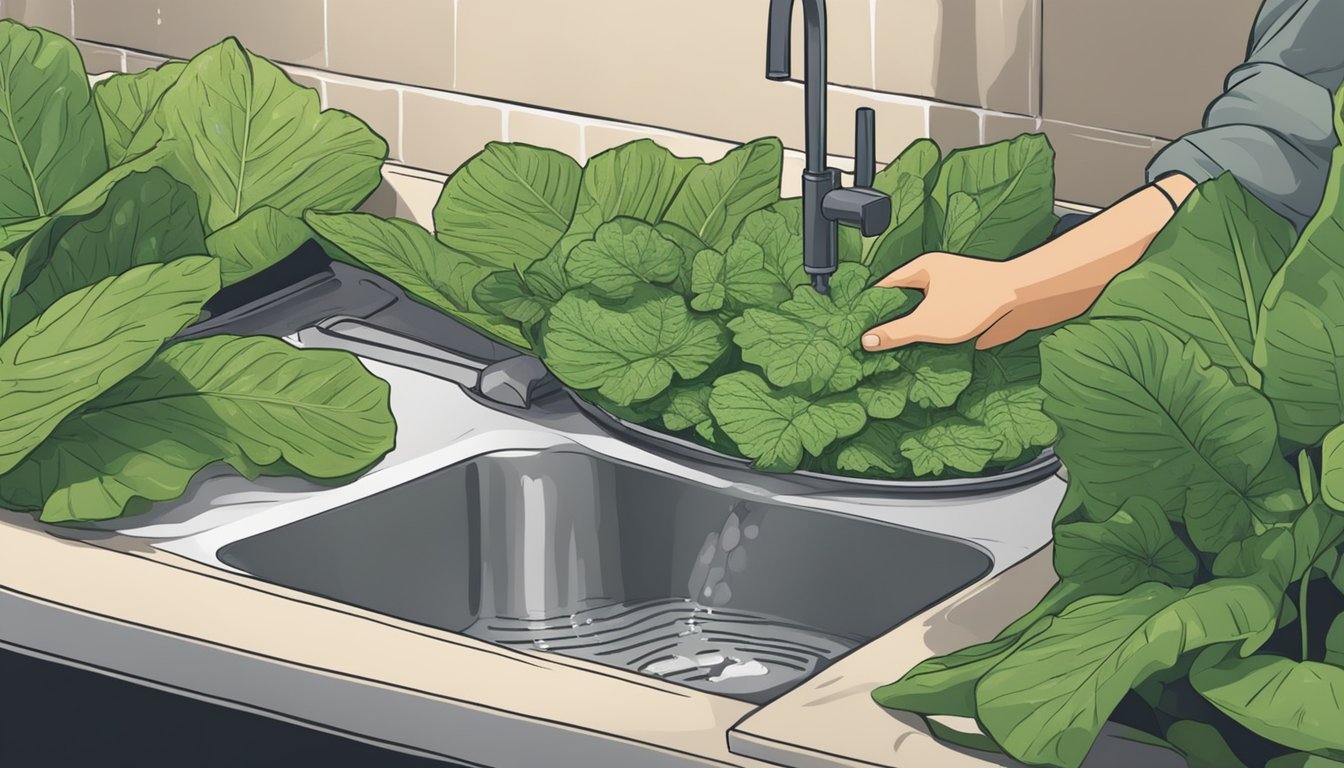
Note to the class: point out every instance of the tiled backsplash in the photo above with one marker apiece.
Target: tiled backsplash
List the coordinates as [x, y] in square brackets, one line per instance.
[1108, 80]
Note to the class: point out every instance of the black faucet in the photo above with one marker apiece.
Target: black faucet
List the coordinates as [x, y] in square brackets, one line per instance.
[826, 204]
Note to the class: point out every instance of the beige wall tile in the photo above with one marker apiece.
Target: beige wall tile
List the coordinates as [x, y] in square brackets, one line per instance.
[850, 30]
[376, 104]
[309, 79]
[402, 41]
[440, 131]
[542, 130]
[1000, 127]
[100, 58]
[139, 62]
[700, 69]
[1143, 66]
[964, 51]
[48, 14]
[1097, 167]
[290, 30]
[954, 127]
[900, 120]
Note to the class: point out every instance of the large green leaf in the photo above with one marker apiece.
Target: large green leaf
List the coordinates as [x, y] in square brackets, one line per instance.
[1139, 409]
[51, 142]
[148, 218]
[258, 240]
[1205, 274]
[257, 403]
[994, 201]
[243, 135]
[1300, 346]
[429, 271]
[1299, 704]
[1134, 545]
[624, 255]
[718, 196]
[1047, 700]
[907, 180]
[126, 103]
[1202, 745]
[629, 353]
[509, 205]
[89, 340]
[774, 427]
[637, 180]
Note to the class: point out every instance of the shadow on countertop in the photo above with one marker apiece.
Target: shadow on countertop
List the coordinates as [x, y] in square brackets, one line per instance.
[54, 716]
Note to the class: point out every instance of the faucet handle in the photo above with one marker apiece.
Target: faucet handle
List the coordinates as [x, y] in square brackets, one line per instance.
[865, 147]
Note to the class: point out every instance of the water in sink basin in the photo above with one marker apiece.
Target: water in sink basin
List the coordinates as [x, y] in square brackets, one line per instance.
[572, 553]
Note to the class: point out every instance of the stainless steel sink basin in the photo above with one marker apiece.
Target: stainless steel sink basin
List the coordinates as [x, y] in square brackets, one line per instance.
[574, 553]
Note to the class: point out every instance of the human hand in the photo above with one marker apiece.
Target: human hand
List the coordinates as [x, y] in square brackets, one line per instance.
[966, 298]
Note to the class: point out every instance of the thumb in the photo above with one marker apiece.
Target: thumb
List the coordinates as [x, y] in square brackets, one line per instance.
[897, 333]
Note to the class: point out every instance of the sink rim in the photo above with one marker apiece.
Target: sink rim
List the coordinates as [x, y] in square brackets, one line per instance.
[1044, 465]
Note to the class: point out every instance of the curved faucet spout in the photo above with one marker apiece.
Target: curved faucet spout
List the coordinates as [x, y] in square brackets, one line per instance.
[778, 67]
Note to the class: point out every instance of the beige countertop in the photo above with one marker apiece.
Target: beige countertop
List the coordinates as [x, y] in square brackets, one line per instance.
[117, 605]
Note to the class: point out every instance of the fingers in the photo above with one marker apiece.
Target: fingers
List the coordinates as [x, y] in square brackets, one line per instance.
[915, 275]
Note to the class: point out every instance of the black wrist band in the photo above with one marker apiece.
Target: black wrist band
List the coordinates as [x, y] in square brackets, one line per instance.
[1166, 194]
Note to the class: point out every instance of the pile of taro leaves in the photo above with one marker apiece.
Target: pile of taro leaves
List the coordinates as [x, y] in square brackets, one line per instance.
[1201, 586]
[670, 292]
[125, 208]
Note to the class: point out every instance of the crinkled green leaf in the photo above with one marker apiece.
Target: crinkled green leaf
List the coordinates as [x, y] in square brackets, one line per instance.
[997, 200]
[885, 396]
[688, 408]
[812, 340]
[631, 352]
[51, 140]
[940, 372]
[875, 449]
[507, 293]
[147, 218]
[262, 237]
[508, 206]
[1205, 274]
[1299, 760]
[1139, 409]
[955, 444]
[257, 403]
[624, 255]
[760, 269]
[1047, 700]
[1134, 545]
[636, 180]
[716, 197]
[1005, 395]
[126, 104]
[774, 428]
[429, 271]
[243, 135]
[90, 339]
[1299, 704]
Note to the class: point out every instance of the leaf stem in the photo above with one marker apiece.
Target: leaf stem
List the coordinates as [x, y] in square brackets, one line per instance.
[1302, 607]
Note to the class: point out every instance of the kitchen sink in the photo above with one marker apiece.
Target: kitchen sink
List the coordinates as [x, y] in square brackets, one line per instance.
[578, 554]
[509, 514]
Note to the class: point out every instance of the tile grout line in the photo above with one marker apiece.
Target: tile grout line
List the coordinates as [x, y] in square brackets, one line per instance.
[326, 34]
[455, 36]
[872, 41]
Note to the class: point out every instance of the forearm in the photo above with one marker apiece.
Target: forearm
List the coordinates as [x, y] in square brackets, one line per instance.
[1080, 263]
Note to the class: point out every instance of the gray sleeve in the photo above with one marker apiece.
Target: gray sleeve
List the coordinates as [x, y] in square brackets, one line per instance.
[1273, 126]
